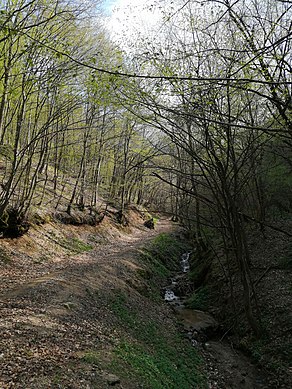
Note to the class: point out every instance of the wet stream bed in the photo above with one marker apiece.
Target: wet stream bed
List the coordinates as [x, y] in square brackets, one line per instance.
[226, 367]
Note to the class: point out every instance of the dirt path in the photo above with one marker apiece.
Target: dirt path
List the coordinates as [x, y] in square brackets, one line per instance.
[51, 310]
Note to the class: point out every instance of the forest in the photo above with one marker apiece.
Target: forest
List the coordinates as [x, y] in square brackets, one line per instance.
[192, 120]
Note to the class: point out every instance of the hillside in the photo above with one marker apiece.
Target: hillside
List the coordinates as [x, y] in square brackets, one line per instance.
[61, 290]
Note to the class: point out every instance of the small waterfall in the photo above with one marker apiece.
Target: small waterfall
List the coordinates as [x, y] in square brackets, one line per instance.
[196, 323]
[185, 264]
[169, 294]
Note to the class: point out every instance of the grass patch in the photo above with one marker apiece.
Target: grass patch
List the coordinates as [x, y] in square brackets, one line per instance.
[155, 220]
[168, 249]
[163, 255]
[125, 314]
[159, 369]
[75, 245]
[152, 355]
[91, 357]
[155, 268]
[160, 258]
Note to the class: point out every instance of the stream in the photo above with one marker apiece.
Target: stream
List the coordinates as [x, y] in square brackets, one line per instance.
[195, 323]
[226, 367]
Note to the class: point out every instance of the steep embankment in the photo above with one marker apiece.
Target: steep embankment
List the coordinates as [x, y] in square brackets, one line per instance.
[76, 312]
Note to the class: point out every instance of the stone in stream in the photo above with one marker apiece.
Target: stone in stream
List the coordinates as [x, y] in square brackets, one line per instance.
[194, 320]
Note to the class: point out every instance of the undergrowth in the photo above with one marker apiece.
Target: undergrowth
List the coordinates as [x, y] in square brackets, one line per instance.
[200, 299]
[151, 354]
[162, 256]
[75, 245]
[159, 260]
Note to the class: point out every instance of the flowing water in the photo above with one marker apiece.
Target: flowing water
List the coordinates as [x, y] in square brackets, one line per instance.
[169, 294]
[226, 368]
[192, 320]
[185, 264]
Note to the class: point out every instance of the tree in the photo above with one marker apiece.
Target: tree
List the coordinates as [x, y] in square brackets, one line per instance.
[224, 92]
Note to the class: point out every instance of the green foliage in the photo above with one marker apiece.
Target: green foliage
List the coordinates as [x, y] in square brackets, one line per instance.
[57, 379]
[155, 220]
[75, 245]
[166, 249]
[153, 356]
[154, 267]
[201, 264]
[149, 354]
[161, 368]
[91, 357]
[160, 258]
[199, 299]
[119, 307]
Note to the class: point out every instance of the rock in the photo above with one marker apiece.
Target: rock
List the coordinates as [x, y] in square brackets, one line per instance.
[170, 296]
[112, 379]
[196, 320]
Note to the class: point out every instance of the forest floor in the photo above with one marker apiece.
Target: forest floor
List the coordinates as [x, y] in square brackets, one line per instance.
[62, 318]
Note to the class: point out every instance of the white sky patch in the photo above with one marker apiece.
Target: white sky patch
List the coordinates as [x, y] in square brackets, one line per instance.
[108, 6]
[130, 18]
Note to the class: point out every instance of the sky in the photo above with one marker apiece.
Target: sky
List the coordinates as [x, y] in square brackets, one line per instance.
[113, 5]
[108, 5]
[126, 17]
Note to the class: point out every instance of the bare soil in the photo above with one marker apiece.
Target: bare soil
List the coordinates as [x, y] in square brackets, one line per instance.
[54, 302]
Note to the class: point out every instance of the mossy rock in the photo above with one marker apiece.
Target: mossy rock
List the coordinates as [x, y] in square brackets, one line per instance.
[38, 219]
